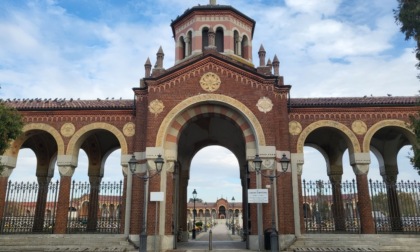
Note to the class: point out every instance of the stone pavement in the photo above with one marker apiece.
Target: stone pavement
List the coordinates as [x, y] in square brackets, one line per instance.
[223, 240]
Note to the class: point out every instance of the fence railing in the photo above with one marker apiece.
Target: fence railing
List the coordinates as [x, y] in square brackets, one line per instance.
[104, 216]
[329, 207]
[31, 208]
[20, 210]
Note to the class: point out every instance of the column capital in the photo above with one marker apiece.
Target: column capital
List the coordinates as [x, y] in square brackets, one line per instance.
[360, 162]
[67, 160]
[335, 178]
[8, 161]
[66, 170]
[7, 171]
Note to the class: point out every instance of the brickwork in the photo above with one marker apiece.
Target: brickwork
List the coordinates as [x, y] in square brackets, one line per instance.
[63, 205]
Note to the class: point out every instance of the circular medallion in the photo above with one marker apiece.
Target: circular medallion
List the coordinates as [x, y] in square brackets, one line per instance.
[210, 82]
[68, 129]
[264, 105]
[156, 107]
[129, 129]
[295, 128]
[359, 127]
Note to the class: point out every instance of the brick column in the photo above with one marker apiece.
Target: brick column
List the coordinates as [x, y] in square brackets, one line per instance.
[360, 163]
[95, 182]
[66, 171]
[41, 202]
[338, 207]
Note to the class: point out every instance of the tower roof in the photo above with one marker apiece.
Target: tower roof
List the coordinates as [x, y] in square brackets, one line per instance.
[207, 8]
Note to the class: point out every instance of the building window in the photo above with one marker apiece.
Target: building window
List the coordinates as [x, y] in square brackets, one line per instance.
[205, 38]
[219, 40]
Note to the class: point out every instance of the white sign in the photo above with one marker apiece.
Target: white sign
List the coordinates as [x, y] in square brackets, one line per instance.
[257, 195]
[156, 196]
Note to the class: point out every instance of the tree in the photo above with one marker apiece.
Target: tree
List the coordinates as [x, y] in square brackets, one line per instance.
[11, 125]
[407, 15]
[415, 126]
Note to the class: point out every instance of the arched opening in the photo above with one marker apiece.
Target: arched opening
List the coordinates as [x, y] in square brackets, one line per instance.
[204, 38]
[182, 48]
[220, 44]
[212, 162]
[245, 47]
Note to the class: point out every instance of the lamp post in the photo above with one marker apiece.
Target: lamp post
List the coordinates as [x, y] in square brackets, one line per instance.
[194, 197]
[233, 215]
[284, 161]
[132, 165]
[205, 216]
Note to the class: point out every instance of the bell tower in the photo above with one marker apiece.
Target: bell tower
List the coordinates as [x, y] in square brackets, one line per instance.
[213, 27]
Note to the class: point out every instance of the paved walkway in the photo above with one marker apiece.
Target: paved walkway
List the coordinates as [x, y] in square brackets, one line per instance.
[223, 240]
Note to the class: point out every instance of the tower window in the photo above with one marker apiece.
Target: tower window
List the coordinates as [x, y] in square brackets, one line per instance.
[205, 38]
[219, 40]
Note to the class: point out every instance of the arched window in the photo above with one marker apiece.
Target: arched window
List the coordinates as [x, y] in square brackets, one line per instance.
[205, 38]
[189, 43]
[182, 49]
[245, 47]
[219, 39]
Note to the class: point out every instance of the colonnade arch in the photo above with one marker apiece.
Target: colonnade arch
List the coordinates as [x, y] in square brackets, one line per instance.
[194, 124]
[385, 139]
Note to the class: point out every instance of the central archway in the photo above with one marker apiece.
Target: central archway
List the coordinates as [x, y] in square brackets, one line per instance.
[201, 125]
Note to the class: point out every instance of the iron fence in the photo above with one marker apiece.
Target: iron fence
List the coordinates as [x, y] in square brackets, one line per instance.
[329, 207]
[22, 214]
[332, 207]
[396, 206]
[104, 216]
[31, 208]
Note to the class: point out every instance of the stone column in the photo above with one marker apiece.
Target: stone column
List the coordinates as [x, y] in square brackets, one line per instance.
[360, 163]
[66, 172]
[338, 207]
[95, 182]
[41, 202]
[393, 204]
[238, 44]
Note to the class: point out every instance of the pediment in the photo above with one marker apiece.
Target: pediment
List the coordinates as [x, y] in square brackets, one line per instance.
[210, 71]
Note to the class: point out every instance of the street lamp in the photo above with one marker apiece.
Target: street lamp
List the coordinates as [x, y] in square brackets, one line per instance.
[205, 216]
[233, 215]
[194, 197]
[284, 162]
[132, 165]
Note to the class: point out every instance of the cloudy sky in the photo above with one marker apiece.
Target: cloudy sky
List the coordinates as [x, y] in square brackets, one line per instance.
[97, 49]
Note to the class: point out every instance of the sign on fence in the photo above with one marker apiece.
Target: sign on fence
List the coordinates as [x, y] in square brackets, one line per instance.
[257, 195]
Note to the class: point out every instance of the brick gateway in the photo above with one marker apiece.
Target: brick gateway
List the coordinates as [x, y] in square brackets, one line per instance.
[212, 95]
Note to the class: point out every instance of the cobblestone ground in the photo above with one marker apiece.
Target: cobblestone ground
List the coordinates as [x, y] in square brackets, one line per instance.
[222, 240]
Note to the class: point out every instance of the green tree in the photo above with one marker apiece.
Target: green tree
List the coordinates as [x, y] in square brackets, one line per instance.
[11, 125]
[415, 126]
[407, 16]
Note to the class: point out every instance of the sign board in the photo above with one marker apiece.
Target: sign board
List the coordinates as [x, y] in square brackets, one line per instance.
[156, 196]
[257, 195]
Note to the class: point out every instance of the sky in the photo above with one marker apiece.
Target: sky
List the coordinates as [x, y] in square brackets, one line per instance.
[97, 49]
